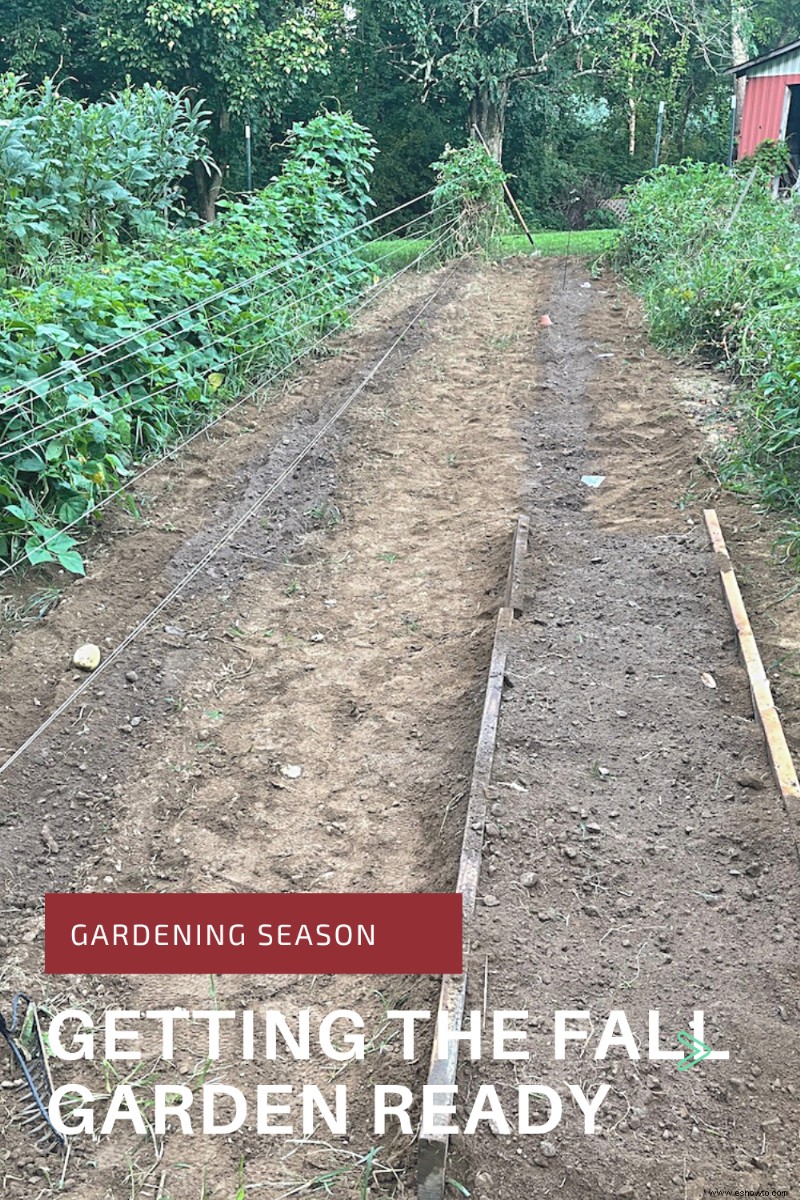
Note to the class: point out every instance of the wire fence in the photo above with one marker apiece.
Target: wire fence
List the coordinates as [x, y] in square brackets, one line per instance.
[233, 529]
[285, 286]
[101, 351]
[374, 293]
[92, 402]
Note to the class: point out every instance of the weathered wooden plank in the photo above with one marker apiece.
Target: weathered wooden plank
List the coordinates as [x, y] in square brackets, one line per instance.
[515, 589]
[432, 1152]
[780, 756]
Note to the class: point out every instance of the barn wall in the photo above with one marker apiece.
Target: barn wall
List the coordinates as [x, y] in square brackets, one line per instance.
[763, 108]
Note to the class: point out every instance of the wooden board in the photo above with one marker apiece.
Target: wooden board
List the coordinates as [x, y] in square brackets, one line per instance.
[780, 757]
[515, 590]
[432, 1153]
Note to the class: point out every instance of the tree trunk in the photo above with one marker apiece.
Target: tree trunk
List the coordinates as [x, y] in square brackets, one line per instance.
[739, 54]
[488, 114]
[631, 121]
[680, 147]
[208, 190]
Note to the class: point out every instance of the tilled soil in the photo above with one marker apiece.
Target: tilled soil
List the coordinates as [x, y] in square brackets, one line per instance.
[347, 631]
[639, 853]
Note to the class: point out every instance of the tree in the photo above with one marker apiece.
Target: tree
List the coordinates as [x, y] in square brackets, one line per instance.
[649, 51]
[482, 50]
[246, 59]
[42, 39]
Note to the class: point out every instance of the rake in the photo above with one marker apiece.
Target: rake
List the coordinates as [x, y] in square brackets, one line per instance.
[24, 1039]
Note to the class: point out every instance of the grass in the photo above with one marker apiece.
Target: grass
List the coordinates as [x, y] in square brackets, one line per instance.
[557, 242]
[394, 254]
[30, 610]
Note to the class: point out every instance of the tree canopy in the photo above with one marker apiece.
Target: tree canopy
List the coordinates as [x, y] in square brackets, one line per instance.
[565, 92]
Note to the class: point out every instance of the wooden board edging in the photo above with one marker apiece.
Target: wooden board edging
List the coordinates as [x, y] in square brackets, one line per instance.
[780, 756]
[432, 1149]
[515, 589]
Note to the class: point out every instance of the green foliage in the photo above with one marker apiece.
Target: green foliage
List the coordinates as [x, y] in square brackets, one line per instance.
[39, 38]
[71, 439]
[468, 200]
[601, 218]
[718, 263]
[253, 53]
[339, 153]
[488, 48]
[552, 90]
[566, 155]
[74, 175]
[367, 79]
[246, 58]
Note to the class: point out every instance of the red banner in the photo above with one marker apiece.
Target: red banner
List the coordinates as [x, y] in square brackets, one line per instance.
[300, 933]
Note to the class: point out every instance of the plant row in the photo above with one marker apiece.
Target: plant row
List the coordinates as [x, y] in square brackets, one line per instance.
[717, 260]
[111, 357]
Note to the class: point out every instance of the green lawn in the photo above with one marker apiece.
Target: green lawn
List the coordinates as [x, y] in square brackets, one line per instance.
[555, 242]
[393, 254]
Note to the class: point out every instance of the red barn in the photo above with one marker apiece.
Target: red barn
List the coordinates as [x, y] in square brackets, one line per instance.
[771, 109]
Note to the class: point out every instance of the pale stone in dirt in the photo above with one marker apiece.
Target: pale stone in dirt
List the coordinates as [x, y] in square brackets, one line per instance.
[87, 657]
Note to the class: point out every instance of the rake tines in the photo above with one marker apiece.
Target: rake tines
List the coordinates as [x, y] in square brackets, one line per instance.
[24, 1039]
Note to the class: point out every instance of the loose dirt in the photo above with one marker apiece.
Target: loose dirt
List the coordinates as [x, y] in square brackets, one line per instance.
[347, 631]
[641, 858]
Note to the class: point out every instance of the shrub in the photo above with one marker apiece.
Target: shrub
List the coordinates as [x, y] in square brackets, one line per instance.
[717, 261]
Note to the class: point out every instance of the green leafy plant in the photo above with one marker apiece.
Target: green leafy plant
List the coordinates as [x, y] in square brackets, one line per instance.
[75, 176]
[717, 261]
[468, 201]
[113, 359]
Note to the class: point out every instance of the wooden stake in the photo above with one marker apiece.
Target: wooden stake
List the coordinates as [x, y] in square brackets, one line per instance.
[507, 191]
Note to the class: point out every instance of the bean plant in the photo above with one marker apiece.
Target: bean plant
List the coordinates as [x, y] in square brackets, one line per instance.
[113, 358]
[468, 200]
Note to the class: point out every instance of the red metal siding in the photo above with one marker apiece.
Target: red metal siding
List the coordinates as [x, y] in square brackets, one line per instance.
[763, 108]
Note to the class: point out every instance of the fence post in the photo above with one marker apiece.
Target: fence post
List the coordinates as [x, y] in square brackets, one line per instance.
[732, 137]
[659, 128]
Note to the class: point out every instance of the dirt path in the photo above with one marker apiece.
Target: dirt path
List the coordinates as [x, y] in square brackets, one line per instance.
[347, 631]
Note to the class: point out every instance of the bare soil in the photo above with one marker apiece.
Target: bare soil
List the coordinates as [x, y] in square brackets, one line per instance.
[639, 853]
[347, 631]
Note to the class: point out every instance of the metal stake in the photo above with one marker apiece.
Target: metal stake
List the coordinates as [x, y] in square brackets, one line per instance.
[659, 128]
[248, 156]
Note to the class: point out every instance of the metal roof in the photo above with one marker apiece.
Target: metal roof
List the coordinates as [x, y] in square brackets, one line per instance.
[744, 67]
